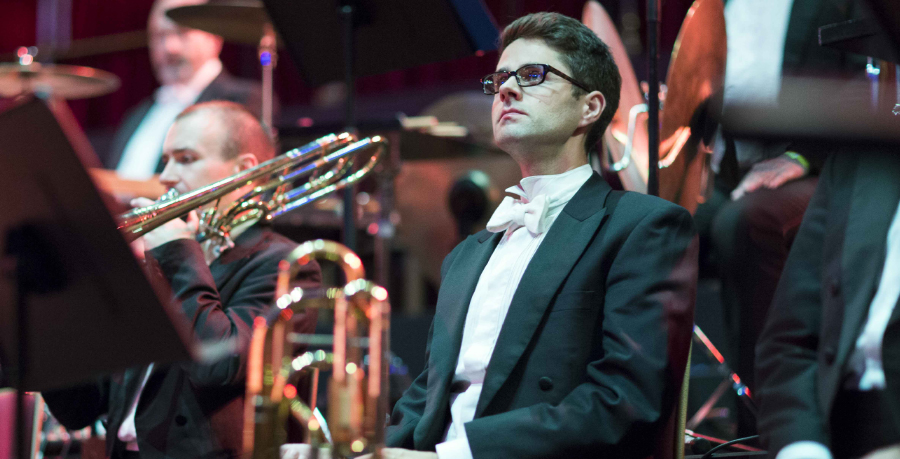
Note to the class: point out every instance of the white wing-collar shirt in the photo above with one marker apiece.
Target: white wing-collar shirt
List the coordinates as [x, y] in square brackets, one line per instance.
[524, 221]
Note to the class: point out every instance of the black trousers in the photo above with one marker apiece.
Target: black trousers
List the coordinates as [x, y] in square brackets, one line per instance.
[746, 242]
[861, 422]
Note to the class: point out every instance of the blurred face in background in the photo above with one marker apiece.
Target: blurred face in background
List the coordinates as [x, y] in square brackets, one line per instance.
[177, 52]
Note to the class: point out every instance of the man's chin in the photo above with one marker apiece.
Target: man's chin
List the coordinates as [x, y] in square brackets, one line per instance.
[174, 75]
[509, 139]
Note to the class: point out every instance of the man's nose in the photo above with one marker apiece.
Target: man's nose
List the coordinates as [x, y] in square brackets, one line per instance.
[172, 43]
[168, 178]
[510, 89]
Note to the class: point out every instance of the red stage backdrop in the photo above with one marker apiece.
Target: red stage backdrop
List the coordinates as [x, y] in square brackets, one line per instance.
[99, 18]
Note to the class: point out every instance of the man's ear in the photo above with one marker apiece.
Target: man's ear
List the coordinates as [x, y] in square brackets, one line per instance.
[245, 161]
[594, 104]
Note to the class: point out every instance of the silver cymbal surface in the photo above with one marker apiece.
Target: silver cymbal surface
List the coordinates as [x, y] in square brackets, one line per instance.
[64, 81]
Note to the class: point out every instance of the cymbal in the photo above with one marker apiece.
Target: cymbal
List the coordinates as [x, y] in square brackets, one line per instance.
[238, 21]
[64, 81]
[696, 72]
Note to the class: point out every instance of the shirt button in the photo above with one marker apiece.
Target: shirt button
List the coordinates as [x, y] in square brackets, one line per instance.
[180, 420]
[545, 383]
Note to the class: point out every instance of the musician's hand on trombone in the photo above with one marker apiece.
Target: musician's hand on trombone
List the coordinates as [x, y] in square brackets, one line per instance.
[169, 231]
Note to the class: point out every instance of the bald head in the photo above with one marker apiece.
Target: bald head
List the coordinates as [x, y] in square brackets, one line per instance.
[229, 129]
[177, 52]
[212, 141]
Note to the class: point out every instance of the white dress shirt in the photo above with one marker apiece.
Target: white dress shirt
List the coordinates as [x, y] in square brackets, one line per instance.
[143, 150]
[492, 297]
[756, 32]
[127, 432]
[865, 361]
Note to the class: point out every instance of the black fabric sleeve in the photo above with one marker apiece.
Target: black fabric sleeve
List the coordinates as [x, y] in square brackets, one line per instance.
[182, 263]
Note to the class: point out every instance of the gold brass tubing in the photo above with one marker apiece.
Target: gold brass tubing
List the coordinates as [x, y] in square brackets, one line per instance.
[135, 223]
[357, 398]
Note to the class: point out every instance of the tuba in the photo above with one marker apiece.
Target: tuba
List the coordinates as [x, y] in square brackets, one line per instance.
[282, 184]
[357, 396]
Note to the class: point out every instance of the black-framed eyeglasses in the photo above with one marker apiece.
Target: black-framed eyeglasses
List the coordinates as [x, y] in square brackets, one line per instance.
[526, 75]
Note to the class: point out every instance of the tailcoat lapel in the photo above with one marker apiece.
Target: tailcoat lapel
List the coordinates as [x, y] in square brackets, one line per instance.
[563, 245]
[873, 203]
[456, 291]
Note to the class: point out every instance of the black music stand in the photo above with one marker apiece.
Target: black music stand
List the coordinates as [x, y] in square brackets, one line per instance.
[386, 35]
[375, 37]
[75, 303]
[885, 12]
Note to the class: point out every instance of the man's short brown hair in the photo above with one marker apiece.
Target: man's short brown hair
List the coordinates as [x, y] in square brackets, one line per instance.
[241, 131]
[588, 58]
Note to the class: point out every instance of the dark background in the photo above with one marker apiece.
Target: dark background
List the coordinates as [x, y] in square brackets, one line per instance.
[101, 19]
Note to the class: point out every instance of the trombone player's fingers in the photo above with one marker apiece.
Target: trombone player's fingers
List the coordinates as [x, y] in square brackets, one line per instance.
[140, 202]
[173, 230]
[167, 232]
[294, 451]
[138, 248]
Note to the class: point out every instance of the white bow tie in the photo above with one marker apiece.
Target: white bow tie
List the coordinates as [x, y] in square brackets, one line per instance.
[514, 213]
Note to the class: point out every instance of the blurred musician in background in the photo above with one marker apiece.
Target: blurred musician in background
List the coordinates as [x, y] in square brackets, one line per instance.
[562, 330]
[829, 357]
[762, 189]
[186, 64]
[192, 410]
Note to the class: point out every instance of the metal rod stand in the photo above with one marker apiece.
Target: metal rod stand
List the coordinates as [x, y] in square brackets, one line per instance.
[347, 17]
[268, 59]
[731, 379]
[653, 97]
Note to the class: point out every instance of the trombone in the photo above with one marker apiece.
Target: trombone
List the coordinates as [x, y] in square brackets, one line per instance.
[357, 397]
[322, 166]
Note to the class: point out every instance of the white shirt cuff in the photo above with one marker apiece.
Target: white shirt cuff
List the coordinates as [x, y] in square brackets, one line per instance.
[457, 448]
[804, 450]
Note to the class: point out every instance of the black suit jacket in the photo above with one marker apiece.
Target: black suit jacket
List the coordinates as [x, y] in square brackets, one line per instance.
[823, 299]
[223, 87]
[802, 53]
[191, 410]
[590, 357]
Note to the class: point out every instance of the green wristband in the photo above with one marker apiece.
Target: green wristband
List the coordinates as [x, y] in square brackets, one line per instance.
[797, 157]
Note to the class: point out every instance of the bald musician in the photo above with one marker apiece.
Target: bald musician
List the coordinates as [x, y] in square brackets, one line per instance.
[193, 410]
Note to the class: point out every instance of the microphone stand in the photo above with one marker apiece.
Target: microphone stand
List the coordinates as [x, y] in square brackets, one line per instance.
[347, 15]
[653, 97]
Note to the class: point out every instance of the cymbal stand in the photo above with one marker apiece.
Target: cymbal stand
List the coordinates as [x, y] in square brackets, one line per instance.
[347, 11]
[268, 59]
[653, 99]
[731, 379]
